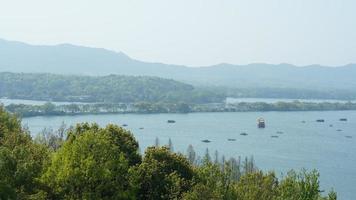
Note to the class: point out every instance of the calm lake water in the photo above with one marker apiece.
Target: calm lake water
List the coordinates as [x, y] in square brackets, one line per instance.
[309, 145]
[275, 100]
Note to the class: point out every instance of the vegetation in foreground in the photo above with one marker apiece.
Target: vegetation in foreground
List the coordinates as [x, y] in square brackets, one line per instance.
[105, 163]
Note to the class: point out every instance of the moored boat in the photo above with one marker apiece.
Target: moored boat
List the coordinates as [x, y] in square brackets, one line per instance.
[261, 123]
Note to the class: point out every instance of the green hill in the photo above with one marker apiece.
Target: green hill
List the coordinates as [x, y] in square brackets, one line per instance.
[111, 89]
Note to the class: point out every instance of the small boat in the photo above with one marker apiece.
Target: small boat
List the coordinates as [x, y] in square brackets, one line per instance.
[348, 136]
[206, 141]
[261, 123]
[244, 134]
[141, 128]
[320, 120]
[124, 125]
[339, 130]
[343, 119]
[274, 136]
[171, 121]
[279, 132]
[330, 125]
[303, 121]
[231, 139]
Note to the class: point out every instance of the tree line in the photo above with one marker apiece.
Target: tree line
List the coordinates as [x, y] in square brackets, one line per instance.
[108, 89]
[92, 162]
[49, 109]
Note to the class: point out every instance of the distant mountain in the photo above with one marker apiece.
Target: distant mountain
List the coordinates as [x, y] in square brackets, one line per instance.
[71, 59]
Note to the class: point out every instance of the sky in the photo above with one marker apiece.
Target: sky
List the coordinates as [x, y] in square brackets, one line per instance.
[192, 32]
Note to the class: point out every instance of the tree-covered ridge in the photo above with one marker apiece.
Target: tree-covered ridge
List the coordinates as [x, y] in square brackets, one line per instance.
[112, 88]
[92, 162]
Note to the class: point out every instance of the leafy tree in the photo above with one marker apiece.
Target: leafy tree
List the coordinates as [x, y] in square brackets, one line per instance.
[7, 171]
[301, 185]
[209, 182]
[162, 175]
[119, 137]
[88, 167]
[256, 186]
[9, 124]
[21, 161]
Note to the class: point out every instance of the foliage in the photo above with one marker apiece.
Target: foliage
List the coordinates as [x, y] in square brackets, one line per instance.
[162, 175]
[71, 109]
[91, 162]
[255, 186]
[89, 167]
[119, 137]
[110, 89]
[21, 160]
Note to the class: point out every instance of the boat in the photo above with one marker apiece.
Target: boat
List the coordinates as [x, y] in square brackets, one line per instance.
[261, 123]
[171, 121]
[124, 125]
[303, 121]
[330, 125]
[274, 136]
[206, 141]
[339, 130]
[279, 132]
[320, 120]
[348, 136]
[343, 119]
[244, 134]
[231, 139]
[141, 128]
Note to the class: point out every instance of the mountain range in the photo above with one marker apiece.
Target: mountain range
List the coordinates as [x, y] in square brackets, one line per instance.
[79, 60]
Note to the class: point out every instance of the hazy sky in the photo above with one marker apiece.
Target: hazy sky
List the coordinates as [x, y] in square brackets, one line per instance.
[192, 32]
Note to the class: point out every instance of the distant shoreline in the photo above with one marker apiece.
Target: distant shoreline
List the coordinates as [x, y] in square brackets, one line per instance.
[50, 109]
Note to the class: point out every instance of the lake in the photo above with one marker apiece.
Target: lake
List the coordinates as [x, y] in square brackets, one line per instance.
[275, 100]
[309, 145]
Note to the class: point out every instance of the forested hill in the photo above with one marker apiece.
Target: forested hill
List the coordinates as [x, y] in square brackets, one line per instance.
[71, 59]
[111, 89]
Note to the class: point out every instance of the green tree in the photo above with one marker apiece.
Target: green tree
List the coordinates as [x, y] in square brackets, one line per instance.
[256, 186]
[119, 137]
[302, 185]
[88, 167]
[209, 183]
[162, 175]
[7, 171]
[21, 161]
